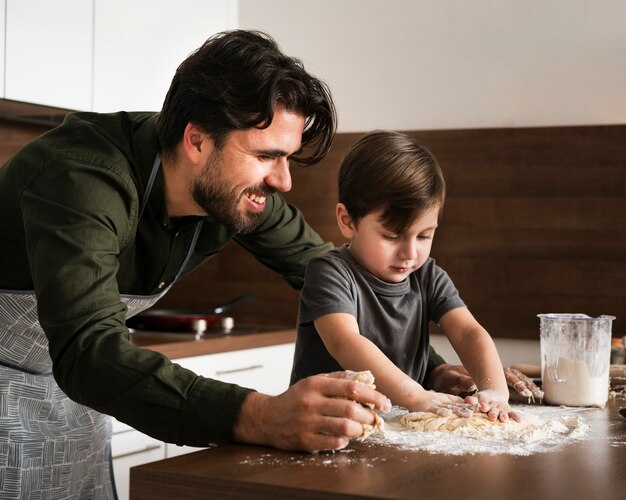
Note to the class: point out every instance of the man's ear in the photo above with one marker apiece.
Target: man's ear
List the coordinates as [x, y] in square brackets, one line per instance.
[196, 144]
[344, 221]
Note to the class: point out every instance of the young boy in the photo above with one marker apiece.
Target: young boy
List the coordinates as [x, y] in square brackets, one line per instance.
[367, 305]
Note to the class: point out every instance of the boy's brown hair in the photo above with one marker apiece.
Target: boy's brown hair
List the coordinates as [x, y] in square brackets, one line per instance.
[390, 171]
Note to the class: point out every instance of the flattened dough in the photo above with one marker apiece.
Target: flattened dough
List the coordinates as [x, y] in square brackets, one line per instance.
[428, 422]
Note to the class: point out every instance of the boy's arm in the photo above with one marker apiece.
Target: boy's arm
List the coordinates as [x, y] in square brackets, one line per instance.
[479, 355]
[340, 334]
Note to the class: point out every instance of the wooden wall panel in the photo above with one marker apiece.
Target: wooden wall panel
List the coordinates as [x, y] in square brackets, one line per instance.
[535, 221]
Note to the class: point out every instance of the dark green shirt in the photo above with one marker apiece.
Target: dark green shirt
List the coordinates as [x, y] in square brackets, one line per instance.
[70, 231]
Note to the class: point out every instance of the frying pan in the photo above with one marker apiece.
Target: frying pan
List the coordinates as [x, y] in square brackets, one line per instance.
[182, 320]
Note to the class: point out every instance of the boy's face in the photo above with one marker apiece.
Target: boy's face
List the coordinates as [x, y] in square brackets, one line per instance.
[389, 256]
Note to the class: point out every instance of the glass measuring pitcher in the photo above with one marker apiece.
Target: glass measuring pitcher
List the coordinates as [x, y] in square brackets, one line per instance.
[575, 358]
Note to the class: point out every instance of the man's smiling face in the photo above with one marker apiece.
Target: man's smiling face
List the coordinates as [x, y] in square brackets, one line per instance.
[251, 165]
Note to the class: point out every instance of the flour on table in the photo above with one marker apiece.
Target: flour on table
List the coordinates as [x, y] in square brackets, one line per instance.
[542, 429]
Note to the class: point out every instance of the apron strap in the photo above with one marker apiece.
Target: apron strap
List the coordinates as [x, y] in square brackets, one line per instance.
[144, 203]
[153, 174]
[192, 246]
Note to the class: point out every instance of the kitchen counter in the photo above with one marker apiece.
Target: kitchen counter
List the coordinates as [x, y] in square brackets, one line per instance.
[183, 345]
[593, 469]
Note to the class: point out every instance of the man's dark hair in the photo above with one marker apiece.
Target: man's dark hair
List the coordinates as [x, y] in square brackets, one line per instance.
[235, 80]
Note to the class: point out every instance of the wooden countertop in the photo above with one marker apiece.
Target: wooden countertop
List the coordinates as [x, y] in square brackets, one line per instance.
[183, 345]
[593, 469]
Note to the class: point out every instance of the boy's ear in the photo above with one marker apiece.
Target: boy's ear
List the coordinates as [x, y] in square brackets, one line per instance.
[344, 221]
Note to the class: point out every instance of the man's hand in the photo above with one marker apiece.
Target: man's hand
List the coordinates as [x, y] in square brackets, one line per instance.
[454, 379]
[522, 386]
[323, 412]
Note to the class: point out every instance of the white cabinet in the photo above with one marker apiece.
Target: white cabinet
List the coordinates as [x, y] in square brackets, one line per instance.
[129, 448]
[48, 52]
[266, 369]
[102, 55]
[138, 45]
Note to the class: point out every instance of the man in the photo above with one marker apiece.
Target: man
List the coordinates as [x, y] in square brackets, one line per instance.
[102, 214]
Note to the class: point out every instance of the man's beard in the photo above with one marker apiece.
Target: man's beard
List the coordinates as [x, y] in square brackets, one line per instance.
[212, 194]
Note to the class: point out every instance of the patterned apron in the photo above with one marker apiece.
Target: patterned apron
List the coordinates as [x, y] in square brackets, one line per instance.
[50, 446]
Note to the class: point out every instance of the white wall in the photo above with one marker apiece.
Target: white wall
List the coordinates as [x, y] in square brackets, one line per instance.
[511, 351]
[425, 64]
[138, 44]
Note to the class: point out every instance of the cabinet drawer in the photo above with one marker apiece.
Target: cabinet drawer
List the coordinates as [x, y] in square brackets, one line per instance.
[130, 448]
[132, 442]
[266, 369]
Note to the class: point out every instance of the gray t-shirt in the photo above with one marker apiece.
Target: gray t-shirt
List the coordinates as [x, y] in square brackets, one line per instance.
[395, 316]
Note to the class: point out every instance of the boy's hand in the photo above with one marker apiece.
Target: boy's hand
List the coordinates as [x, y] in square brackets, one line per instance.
[454, 379]
[494, 404]
[443, 404]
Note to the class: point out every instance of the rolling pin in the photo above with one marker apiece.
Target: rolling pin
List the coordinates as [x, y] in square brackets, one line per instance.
[531, 371]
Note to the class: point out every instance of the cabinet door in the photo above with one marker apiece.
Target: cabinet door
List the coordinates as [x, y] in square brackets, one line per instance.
[140, 43]
[266, 369]
[129, 448]
[49, 52]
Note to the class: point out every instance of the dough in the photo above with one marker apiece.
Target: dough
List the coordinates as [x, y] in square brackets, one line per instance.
[427, 422]
[368, 430]
[530, 429]
[367, 378]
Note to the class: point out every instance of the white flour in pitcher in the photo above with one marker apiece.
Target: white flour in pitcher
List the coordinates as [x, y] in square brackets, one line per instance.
[576, 386]
[543, 429]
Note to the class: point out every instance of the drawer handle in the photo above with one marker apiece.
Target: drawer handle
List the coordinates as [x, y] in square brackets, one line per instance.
[236, 370]
[131, 453]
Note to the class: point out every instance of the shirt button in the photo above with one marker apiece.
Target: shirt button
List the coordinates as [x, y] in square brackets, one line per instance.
[162, 284]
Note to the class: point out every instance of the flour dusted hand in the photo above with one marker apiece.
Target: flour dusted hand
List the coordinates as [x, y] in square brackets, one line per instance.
[322, 412]
[454, 379]
[522, 385]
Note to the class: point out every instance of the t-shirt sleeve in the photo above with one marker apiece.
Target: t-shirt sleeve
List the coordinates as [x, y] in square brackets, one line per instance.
[443, 295]
[328, 288]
